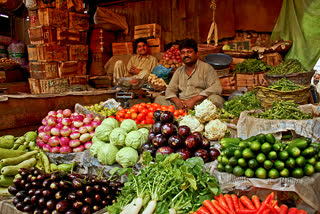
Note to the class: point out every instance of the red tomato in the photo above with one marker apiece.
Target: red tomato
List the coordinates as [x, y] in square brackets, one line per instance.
[148, 105]
[181, 111]
[121, 119]
[112, 116]
[151, 108]
[134, 109]
[140, 108]
[140, 116]
[144, 111]
[171, 109]
[156, 105]
[176, 113]
[143, 122]
[125, 109]
[158, 108]
[134, 115]
[137, 121]
[118, 117]
[121, 114]
[127, 116]
[164, 108]
[148, 121]
[143, 104]
[150, 115]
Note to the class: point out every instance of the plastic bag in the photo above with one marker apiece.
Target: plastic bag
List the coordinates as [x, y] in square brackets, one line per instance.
[110, 21]
[161, 71]
[16, 52]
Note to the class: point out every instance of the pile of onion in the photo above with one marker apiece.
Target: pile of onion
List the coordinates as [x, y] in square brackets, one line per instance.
[64, 132]
[171, 58]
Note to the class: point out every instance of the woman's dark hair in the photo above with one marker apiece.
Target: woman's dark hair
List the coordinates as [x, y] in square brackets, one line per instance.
[137, 41]
[188, 43]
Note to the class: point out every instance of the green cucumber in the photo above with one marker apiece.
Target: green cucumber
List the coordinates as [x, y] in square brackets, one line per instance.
[229, 142]
[17, 160]
[6, 181]
[22, 148]
[7, 153]
[301, 143]
[13, 170]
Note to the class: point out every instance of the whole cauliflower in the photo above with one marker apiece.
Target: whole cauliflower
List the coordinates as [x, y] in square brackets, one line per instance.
[192, 122]
[215, 130]
[205, 111]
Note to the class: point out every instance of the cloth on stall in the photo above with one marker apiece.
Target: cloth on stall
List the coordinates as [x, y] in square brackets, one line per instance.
[203, 81]
[299, 22]
[144, 63]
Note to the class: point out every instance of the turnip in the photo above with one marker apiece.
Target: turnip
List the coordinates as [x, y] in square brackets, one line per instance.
[46, 138]
[55, 131]
[89, 127]
[55, 149]
[67, 112]
[66, 121]
[64, 141]
[83, 129]
[73, 115]
[65, 150]
[77, 123]
[59, 119]
[47, 129]
[85, 137]
[97, 119]
[92, 134]
[40, 144]
[89, 116]
[65, 131]
[59, 126]
[51, 121]
[41, 134]
[74, 129]
[59, 115]
[87, 120]
[95, 124]
[40, 129]
[87, 145]
[50, 113]
[78, 118]
[46, 148]
[78, 149]
[59, 111]
[74, 143]
[44, 122]
[54, 141]
[74, 135]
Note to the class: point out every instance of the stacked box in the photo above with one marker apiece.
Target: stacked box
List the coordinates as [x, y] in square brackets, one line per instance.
[122, 48]
[147, 31]
[58, 50]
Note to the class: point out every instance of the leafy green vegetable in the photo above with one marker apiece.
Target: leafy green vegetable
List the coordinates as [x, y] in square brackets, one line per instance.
[107, 154]
[97, 144]
[287, 67]
[103, 131]
[285, 85]
[110, 122]
[251, 66]
[127, 157]
[129, 125]
[118, 137]
[135, 139]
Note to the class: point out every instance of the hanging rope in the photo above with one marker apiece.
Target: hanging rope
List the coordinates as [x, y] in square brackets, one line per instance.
[213, 27]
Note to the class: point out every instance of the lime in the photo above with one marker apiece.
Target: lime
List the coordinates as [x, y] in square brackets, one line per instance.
[237, 153]
[270, 138]
[261, 138]
[294, 152]
[317, 166]
[309, 152]
[249, 173]
[297, 173]
[308, 170]
[273, 173]
[252, 163]
[242, 162]
[228, 168]
[247, 153]
[290, 163]
[276, 147]
[261, 158]
[225, 160]
[243, 144]
[233, 161]
[238, 171]
[284, 173]
[267, 164]
[300, 161]
[220, 167]
[279, 165]
[283, 155]
[312, 161]
[255, 146]
[266, 147]
[272, 155]
[219, 158]
[261, 173]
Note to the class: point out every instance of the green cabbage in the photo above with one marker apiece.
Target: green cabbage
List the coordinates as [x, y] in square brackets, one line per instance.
[129, 125]
[102, 132]
[118, 137]
[134, 139]
[94, 139]
[110, 122]
[145, 133]
[127, 156]
[95, 147]
[107, 154]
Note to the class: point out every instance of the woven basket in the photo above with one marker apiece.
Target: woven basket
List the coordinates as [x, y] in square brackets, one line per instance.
[11, 66]
[239, 54]
[267, 95]
[303, 78]
[157, 87]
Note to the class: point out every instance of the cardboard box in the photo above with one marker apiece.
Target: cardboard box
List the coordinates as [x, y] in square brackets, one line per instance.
[122, 48]
[53, 17]
[46, 4]
[75, 5]
[147, 30]
[42, 34]
[78, 52]
[43, 70]
[32, 53]
[72, 68]
[54, 86]
[78, 21]
[47, 53]
[101, 41]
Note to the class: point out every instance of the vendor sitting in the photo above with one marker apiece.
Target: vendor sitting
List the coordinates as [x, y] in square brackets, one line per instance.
[140, 64]
[193, 82]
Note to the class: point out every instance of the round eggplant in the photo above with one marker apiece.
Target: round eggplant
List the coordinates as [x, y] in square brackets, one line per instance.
[205, 143]
[156, 127]
[165, 150]
[13, 190]
[202, 153]
[156, 115]
[185, 153]
[192, 142]
[184, 131]
[168, 129]
[175, 141]
[166, 117]
[159, 140]
[213, 153]
[62, 206]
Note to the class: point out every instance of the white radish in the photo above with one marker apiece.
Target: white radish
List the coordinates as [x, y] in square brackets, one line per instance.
[172, 211]
[134, 207]
[150, 207]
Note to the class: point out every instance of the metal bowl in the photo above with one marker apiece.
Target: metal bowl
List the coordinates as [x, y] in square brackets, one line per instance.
[219, 60]
[128, 83]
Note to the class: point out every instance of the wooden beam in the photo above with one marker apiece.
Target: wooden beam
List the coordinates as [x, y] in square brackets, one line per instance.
[106, 3]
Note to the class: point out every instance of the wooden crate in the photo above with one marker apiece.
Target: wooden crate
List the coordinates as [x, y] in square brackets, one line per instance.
[79, 80]
[46, 4]
[147, 30]
[250, 80]
[228, 82]
[101, 41]
[78, 21]
[67, 36]
[47, 53]
[155, 45]
[78, 52]
[53, 17]
[75, 5]
[61, 4]
[34, 85]
[83, 37]
[41, 35]
[122, 48]
[32, 53]
[272, 59]
[54, 86]
[33, 18]
[43, 70]
[72, 68]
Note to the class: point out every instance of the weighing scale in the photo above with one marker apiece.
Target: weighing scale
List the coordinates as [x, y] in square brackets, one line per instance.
[124, 96]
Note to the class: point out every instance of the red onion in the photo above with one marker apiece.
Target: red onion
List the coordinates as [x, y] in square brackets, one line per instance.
[67, 112]
[59, 126]
[41, 134]
[95, 124]
[73, 115]
[46, 148]
[87, 145]
[65, 131]
[64, 141]
[74, 143]
[83, 130]
[66, 121]
[55, 131]
[87, 120]
[89, 128]
[74, 135]
[74, 129]
[52, 113]
[54, 141]
[46, 138]
[77, 123]
[59, 115]
[78, 118]
[55, 149]
[40, 129]
[44, 122]
[78, 149]
[40, 144]
[85, 138]
[92, 134]
[47, 129]
[59, 111]
[38, 139]
[51, 121]
[65, 150]
[59, 120]
[97, 119]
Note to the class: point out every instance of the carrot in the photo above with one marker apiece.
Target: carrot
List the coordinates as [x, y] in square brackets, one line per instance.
[203, 210]
[283, 209]
[272, 210]
[228, 199]
[218, 207]
[207, 204]
[277, 208]
[265, 203]
[266, 211]
[293, 210]
[302, 212]
[235, 202]
[256, 201]
[240, 205]
[247, 203]
[274, 203]
[221, 201]
[246, 211]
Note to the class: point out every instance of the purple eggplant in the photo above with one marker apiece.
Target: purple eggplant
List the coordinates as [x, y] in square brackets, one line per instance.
[166, 117]
[165, 150]
[202, 153]
[175, 141]
[168, 129]
[159, 140]
[63, 205]
[156, 127]
[184, 131]
[185, 153]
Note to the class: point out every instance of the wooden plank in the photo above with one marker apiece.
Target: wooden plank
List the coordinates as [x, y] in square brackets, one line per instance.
[122, 48]
[79, 80]
[32, 53]
[34, 85]
[147, 31]
[155, 45]
[54, 86]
